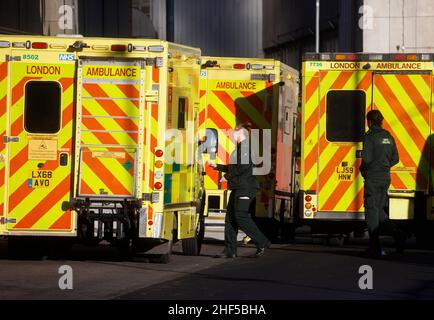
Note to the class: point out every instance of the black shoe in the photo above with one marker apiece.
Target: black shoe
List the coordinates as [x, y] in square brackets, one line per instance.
[225, 256]
[260, 251]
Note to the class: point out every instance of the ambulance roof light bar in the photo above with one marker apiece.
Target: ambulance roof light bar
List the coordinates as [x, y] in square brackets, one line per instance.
[69, 35]
[39, 45]
[367, 56]
[5, 44]
[118, 47]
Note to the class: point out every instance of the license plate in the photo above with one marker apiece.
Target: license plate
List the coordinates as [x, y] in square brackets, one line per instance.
[40, 179]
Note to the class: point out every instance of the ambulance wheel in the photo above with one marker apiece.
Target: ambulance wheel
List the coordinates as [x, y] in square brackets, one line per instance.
[192, 246]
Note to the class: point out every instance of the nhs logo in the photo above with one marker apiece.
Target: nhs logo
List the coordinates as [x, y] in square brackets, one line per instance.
[66, 57]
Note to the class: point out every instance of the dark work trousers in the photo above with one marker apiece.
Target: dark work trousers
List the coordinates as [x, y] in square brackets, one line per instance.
[376, 217]
[238, 217]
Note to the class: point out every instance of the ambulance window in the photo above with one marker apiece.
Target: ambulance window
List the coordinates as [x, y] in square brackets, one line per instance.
[42, 107]
[345, 115]
[182, 111]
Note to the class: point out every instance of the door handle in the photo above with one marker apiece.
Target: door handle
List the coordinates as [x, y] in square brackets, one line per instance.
[63, 161]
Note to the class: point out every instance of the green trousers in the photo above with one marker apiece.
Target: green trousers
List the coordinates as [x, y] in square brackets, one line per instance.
[376, 217]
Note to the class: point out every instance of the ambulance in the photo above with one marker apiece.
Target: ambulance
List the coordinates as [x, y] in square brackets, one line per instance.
[85, 152]
[264, 93]
[337, 92]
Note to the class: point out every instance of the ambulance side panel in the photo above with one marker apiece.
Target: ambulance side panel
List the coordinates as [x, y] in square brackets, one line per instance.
[286, 131]
[4, 82]
[181, 171]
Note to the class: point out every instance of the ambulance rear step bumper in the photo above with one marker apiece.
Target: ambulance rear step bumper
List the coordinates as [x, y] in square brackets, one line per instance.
[103, 201]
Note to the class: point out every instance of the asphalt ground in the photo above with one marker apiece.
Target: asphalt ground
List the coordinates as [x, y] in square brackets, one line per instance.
[304, 269]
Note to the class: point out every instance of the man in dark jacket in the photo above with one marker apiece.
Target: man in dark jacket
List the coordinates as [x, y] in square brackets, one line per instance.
[378, 156]
[243, 186]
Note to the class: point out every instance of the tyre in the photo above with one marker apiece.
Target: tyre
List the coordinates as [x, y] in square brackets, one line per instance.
[192, 246]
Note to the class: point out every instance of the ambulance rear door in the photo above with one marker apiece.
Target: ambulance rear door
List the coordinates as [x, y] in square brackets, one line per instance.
[344, 99]
[39, 143]
[404, 99]
[110, 127]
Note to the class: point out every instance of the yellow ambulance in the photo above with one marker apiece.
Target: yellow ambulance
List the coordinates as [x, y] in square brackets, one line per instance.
[83, 147]
[337, 92]
[263, 92]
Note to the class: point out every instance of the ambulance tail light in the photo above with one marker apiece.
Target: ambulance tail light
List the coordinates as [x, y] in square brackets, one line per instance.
[158, 185]
[118, 47]
[347, 57]
[308, 198]
[39, 45]
[4, 44]
[411, 57]
[159, 153]
[158, 164]
[239, 66]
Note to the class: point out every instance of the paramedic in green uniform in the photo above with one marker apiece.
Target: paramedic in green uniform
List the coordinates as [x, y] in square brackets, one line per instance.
[378, 156]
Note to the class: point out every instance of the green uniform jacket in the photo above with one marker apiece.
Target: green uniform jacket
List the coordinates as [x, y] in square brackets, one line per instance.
[239, 172]
[379, 153]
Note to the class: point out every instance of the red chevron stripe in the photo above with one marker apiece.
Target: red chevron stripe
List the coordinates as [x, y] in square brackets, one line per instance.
[23, 190]
[129, 90]
[235, 109]
[63, 223]
[313, 84]
[44, 205]
[258, 104]
[105, 175]
[18, 89]
[3, 70]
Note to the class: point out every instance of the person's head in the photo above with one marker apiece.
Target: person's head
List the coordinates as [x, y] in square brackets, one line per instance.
[374, 117]
[241, 132]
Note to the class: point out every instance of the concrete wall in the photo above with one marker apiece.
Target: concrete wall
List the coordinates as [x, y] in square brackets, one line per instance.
[398, 26]
[223, 27]
[289, 28]
[20, 17]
